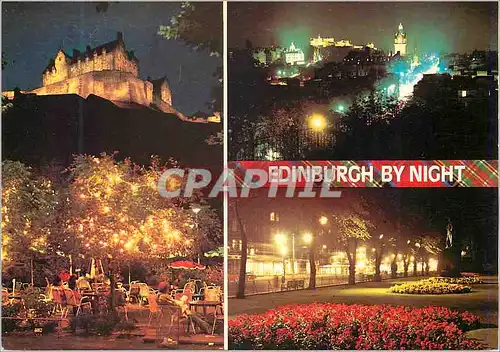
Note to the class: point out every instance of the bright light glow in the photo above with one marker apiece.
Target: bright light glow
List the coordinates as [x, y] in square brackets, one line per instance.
[340, 108]
[280, 239]
[308, 237]
[283, 251]
[324, 246]
[381, 236]
[433, 264]
[317, 122]
[323, 220]
[196, 209]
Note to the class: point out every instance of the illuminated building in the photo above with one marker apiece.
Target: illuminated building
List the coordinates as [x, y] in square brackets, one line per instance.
[327, 49]
[344, 42]
[400, 41]
[318, 43]
[260, 57]
[294, 55]
[108, 71]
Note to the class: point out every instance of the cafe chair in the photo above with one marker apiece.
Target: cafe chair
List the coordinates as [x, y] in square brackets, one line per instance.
[75, 300]
[218, 316]
[154, 309]
[59, 302]
[212, 293]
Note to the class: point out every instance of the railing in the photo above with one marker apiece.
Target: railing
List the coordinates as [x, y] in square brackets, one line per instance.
[268, 284]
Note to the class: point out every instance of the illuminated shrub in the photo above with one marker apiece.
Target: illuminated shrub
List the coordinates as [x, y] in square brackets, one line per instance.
[433, 286]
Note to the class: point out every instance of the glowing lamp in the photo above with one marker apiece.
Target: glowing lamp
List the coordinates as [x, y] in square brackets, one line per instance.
[308, 237]
[323, 220]
[280, 238]
[317, 122]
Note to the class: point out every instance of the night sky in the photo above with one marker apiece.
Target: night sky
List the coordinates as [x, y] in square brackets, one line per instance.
[431, 26]
[32, 33]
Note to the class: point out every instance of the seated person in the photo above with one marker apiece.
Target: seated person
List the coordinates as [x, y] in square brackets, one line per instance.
[83, 284]
[184, 306]
[72, 282]
[163, 286]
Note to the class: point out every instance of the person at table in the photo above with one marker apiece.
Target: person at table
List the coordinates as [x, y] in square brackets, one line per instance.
[72, 282]
[183, 304]
[57, 281]
[164, 285]
[83, 284]
[152, 279]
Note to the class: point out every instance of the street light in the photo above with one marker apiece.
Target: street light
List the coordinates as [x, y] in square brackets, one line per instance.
[340, 108]
[196, 209]
[283, 251]
[317, 122]
[308, 238]
[281, 240]
[323, 220]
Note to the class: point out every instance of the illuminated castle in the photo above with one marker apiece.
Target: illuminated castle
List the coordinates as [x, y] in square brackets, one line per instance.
[108, 71]
[400, 41]
[323, 48]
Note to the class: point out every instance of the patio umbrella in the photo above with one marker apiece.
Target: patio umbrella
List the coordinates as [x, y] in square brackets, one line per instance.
[218, 252]
[186, 264]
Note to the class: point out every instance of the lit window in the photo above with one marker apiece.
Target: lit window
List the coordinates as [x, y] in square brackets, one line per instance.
[463, 93]
[272, 216]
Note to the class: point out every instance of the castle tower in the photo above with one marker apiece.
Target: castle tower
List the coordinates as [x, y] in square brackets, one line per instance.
[400, 41]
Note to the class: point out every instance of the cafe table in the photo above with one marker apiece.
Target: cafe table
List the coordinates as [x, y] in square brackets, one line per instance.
[194, 305]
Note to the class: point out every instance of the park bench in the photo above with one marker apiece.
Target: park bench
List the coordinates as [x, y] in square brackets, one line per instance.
[293, 285]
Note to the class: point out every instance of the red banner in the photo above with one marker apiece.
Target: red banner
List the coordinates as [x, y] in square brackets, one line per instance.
[375, 173]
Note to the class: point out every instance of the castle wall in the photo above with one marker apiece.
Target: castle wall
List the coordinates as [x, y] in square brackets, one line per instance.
[115, 60]
[111, 85]
[166, 94]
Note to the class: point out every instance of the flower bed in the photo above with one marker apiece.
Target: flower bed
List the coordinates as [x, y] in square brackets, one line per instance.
[429, 287]
[465, 280]
[325, 326]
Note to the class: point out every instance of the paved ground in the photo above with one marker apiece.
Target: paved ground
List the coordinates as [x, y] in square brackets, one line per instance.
[483, 301]
[146, 338]
[70, 342]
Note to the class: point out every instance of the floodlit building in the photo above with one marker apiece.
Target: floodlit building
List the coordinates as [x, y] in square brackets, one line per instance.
[400, 41]
[294, 55]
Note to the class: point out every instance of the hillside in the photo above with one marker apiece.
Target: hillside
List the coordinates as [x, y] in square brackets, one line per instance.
[39, 130]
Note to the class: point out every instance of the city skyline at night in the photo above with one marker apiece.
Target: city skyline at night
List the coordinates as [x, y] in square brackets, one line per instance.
[434, 27]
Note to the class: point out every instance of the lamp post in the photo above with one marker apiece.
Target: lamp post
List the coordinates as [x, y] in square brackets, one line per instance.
[284, 251]
[415, 261]
[196, 209]
[293, 253]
